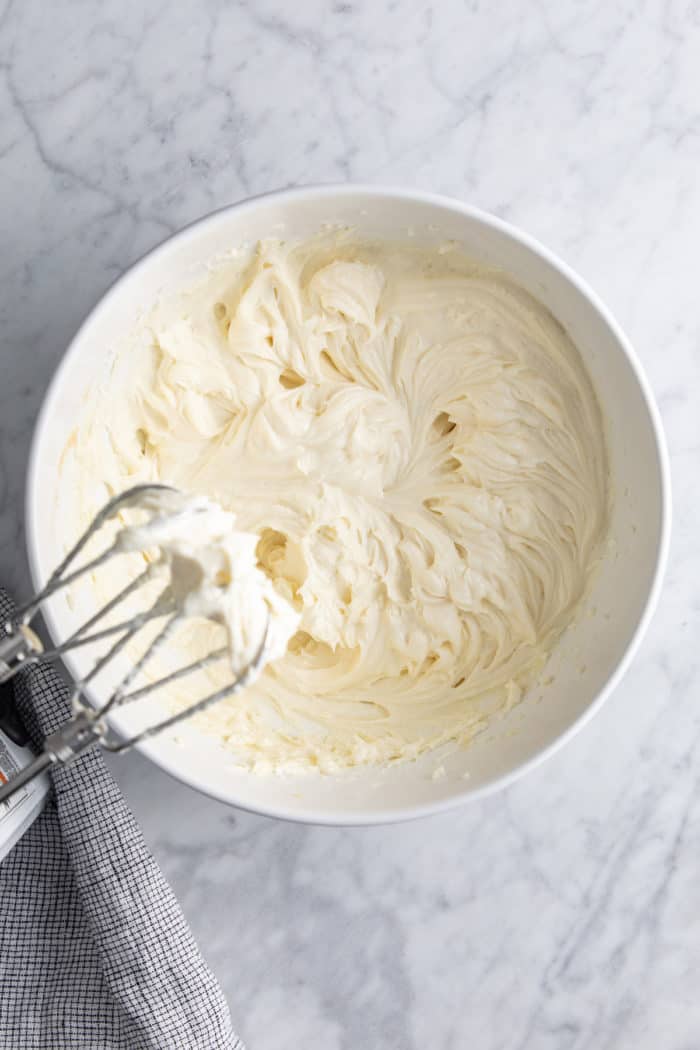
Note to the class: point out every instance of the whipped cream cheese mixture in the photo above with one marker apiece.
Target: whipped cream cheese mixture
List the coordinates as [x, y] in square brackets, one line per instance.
[210, 571]
[419, 451]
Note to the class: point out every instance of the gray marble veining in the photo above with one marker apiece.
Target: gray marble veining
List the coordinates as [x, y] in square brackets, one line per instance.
[563, 914]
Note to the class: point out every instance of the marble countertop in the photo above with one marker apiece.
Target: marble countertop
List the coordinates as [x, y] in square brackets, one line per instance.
[564, 912]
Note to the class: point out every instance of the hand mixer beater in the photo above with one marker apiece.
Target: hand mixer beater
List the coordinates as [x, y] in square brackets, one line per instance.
[88, 726]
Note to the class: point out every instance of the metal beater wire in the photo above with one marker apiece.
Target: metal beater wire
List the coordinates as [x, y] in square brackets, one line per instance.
[88, 726]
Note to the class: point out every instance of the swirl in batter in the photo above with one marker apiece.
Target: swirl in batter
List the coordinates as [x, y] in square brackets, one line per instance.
[417, 445]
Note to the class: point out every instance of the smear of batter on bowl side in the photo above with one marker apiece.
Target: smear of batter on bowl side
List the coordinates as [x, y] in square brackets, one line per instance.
[418, 447]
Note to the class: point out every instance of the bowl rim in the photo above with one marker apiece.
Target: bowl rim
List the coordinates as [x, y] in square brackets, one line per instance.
[330, 191]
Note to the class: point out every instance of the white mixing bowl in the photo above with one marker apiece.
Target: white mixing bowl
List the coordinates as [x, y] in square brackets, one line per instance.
[591, 657]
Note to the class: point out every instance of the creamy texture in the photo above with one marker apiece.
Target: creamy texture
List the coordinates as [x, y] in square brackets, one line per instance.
[211, 571]
[417, 446]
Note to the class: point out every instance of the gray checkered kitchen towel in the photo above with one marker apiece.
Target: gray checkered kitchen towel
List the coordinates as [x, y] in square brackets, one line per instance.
[94, 950]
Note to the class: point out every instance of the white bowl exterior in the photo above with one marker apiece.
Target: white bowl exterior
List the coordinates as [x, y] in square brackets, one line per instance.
[593, 653]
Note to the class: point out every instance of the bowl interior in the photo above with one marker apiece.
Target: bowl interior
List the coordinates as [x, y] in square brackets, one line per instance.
[593, 651]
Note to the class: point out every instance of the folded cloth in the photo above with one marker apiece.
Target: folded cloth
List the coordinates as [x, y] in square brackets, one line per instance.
[94, 950]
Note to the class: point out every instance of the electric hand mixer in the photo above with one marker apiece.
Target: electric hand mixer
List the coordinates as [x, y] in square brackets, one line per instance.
[88, 727]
